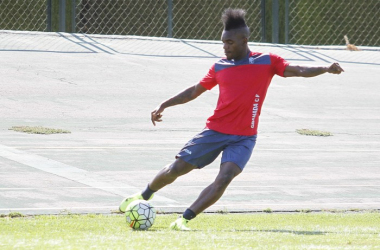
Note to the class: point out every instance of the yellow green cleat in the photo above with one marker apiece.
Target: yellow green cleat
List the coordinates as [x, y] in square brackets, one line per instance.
[180, 224]
[124, 203]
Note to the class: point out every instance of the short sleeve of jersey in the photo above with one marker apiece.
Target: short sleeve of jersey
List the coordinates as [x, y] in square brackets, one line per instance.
[209, 81]
[279, 64]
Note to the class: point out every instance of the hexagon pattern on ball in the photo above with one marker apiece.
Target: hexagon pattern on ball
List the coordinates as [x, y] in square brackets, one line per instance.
[140, 215]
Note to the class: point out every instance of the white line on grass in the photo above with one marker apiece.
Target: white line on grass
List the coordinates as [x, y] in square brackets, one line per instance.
[56, 208]
[69, 172]
[229, 187]
[176, 148]
[286, 204]
[246, 206]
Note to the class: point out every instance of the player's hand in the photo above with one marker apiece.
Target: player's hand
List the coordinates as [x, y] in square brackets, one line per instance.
[156, 115]
[335, 69]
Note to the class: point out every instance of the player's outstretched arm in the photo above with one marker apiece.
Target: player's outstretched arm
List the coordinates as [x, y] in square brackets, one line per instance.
[185, 96]
[311, 71]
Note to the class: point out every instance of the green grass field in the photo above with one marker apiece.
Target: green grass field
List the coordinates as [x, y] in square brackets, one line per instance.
[210, 231]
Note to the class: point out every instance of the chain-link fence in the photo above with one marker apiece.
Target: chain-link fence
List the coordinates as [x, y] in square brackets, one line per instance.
[196, 19]
[23, 15]
[306, 22]
[322, 22]
[144, 18]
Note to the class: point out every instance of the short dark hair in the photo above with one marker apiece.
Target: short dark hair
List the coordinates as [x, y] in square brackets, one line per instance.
[233, 19]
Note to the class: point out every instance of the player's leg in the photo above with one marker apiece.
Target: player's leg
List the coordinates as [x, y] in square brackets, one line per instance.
[235, 157]
[228, 171]
[164, 177]
[169, 174]
[195, 154]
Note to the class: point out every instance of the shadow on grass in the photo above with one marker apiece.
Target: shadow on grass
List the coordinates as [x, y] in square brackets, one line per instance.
[294, 232]
[303, 232]
[158, 229]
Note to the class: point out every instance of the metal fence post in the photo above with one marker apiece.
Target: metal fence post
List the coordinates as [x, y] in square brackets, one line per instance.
[286, 21]
[73, 16]
[62, 15]
[263, 25]
[48, 12]
[275, 24]
[170, 18]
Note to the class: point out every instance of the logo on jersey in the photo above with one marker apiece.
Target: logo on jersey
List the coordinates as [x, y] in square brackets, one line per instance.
[255, 109]
[187, 151]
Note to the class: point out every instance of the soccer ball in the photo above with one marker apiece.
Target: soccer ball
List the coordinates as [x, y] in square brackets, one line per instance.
[140, 215]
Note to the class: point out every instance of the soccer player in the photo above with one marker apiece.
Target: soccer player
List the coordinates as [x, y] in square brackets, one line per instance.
[243, 78]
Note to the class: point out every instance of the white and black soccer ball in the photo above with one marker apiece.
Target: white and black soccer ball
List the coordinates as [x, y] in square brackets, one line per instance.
[140, 215]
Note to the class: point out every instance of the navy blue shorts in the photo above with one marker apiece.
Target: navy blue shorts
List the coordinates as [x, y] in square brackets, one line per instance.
[206, 146]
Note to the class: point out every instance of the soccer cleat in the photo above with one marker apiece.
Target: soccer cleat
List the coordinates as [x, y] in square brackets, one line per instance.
[180, 224]
[124, 203]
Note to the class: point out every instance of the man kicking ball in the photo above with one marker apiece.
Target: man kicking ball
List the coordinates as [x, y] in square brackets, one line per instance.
[243, 78]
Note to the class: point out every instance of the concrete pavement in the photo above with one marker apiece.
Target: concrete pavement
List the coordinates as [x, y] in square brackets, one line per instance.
[103, 88]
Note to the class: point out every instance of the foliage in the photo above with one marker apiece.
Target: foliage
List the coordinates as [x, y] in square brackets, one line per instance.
[39, 130]
[313, 132]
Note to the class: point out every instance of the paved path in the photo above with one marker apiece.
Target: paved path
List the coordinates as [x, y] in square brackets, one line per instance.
[103, 88]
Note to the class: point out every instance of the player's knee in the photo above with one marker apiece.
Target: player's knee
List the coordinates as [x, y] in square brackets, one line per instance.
[223, 181]
[180, 167]
[170, 171]
[176, 169]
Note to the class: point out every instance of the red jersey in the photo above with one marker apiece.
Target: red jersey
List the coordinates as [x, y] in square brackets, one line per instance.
[243, 86]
